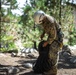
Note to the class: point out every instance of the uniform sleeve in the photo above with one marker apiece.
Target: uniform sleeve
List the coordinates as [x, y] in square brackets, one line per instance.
[52, 33]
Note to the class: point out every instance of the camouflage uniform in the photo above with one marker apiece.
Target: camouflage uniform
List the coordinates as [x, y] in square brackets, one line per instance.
[49, 25]
[48, 55]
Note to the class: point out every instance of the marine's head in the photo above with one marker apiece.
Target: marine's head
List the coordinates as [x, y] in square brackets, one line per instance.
[38, 16]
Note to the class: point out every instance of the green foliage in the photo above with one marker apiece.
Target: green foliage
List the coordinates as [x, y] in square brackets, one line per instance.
[7, 44]
[11, 46]
[27, 9]
[26, 31]
[72, 37]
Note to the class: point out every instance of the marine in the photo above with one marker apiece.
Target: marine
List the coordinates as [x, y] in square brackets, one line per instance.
[48, 49]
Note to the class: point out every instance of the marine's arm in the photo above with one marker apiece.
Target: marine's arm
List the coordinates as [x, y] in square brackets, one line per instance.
[52, 34]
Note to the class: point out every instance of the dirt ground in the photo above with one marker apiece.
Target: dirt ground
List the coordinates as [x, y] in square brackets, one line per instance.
[6, 61]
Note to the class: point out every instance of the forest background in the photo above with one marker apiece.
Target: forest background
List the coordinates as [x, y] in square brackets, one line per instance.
[19, 31]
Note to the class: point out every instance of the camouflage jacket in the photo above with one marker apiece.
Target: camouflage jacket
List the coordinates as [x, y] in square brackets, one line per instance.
[49, 26]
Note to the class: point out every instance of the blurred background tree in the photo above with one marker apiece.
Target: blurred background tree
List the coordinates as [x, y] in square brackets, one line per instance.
[21, 27]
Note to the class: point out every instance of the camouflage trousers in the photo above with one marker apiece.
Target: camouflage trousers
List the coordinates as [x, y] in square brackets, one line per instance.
[47, 60]
[52, 71]
[54, 56]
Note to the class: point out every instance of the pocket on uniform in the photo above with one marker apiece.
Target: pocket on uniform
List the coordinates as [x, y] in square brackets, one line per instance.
[55, 46]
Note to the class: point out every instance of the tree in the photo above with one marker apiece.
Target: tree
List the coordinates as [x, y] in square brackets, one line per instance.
[6, 22]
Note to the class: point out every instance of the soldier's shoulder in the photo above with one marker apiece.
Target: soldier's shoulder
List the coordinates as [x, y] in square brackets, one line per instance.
[50, 18]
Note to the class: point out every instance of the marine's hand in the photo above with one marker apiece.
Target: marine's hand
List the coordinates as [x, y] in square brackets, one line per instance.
[45, 44]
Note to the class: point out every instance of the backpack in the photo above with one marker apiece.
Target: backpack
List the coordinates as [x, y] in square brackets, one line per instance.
[60, 34]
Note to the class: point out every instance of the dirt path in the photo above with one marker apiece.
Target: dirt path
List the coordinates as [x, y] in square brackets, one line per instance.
[7, 61]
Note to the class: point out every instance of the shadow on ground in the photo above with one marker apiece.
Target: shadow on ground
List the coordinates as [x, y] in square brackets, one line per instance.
[65, 64]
